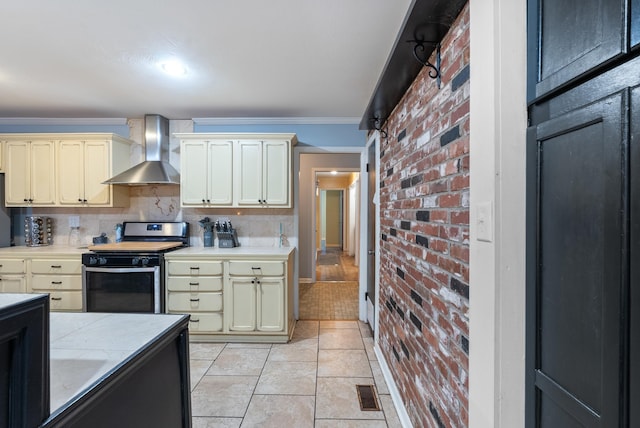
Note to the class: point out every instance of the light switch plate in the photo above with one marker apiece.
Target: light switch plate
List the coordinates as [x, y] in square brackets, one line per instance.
[484, 222]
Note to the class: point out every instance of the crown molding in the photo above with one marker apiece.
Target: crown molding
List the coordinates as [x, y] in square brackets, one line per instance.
[276, 120]
[62, 121]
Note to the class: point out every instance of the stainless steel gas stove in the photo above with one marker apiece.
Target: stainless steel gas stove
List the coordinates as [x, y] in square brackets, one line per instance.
[128, 276]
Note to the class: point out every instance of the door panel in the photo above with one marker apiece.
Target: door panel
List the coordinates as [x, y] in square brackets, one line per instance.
[97, 168]
[635, 22]
[634, 359]
[580, 252]
[576, 36]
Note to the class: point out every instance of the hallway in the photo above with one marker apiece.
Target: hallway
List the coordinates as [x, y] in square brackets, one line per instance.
[334, 295]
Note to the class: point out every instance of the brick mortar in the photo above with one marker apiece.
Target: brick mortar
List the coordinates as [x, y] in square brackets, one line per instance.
[424, 247]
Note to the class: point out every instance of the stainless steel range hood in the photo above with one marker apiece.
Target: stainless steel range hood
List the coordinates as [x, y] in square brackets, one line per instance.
[156, 168]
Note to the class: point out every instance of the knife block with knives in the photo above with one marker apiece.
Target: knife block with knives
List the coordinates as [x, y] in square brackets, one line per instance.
[227, 235]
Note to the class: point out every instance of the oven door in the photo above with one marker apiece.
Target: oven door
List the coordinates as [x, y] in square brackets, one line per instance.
[117, 289]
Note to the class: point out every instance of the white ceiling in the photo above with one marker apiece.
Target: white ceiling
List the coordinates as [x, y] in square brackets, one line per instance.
[245, 58]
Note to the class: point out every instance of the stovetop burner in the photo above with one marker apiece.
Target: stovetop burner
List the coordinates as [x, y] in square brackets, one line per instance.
[143, 244]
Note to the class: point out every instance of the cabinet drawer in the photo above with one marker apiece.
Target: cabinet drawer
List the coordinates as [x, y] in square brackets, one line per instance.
[200, 267]
[194, 284]
[205, 323]
[57, 282]
[65, 300]
[259, 268]
[53, 266]
[187, 302]
[12, 266]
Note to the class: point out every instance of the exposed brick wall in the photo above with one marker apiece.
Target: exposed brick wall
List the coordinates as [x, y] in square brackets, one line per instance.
[424, 275]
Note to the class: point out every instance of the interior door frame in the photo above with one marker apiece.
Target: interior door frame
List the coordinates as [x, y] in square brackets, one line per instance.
[374, 140]
[362, 250]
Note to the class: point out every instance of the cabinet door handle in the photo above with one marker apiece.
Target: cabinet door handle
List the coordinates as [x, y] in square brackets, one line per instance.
[79, 199]
[56, 282]
[56, 298]
[203, 201]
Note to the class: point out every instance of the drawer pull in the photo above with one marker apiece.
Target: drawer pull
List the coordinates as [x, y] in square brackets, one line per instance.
[194, 300]
[56, 298]
[56, 266]
[194, 283]
[195, 268]
[194, 320]
[56, 282]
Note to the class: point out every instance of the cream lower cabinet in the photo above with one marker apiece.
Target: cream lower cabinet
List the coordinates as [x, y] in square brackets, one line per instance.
[195, 288]
[244, 298]
[257, 296]
[12, 275]
[61, 278]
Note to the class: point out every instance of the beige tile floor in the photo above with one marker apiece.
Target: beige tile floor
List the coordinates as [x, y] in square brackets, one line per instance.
[308, 382]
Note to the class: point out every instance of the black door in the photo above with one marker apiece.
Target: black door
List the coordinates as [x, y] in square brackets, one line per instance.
[580, 279]
[576, 36]
[634, 396]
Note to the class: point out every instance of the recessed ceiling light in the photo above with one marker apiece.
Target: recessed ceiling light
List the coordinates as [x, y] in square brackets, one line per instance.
[173, 67]
[334, 172]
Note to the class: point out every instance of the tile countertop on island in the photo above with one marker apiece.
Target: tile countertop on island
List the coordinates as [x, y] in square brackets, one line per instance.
[87, 347]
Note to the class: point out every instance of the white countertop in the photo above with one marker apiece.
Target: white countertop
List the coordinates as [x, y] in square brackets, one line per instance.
[84, 347]
[44, 250]
[231, 253]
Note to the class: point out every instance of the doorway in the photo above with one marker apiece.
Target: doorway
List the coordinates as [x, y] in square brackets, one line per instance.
[334, 293]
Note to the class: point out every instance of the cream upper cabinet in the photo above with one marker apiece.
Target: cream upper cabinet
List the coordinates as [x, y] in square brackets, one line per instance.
[205, 173]
[262, 173]
[236, 170]
[64, 169]
[82, 167]
[30, 173]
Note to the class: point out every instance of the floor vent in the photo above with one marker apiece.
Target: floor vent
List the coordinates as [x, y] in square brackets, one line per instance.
[367, 397]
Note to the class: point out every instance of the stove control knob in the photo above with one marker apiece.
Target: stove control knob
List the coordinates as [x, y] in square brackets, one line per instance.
[93, 260]
[144, 261]
[102, 261]
[135, 261]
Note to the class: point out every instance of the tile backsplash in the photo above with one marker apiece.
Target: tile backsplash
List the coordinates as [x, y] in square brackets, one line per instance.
[255, 227]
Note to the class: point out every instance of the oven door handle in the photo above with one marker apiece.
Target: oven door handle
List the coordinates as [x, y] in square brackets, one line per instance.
[120, 270]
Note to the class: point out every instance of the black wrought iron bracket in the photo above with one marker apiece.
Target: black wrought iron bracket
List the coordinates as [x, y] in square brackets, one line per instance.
[377, 125]
[434, 73]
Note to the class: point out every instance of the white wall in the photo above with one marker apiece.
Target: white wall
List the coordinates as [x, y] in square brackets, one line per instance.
[497, 267]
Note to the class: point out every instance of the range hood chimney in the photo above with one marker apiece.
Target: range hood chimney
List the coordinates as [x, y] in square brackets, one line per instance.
[156, 168]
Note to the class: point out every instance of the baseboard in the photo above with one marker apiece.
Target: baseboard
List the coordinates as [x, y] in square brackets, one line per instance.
[403, 416]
